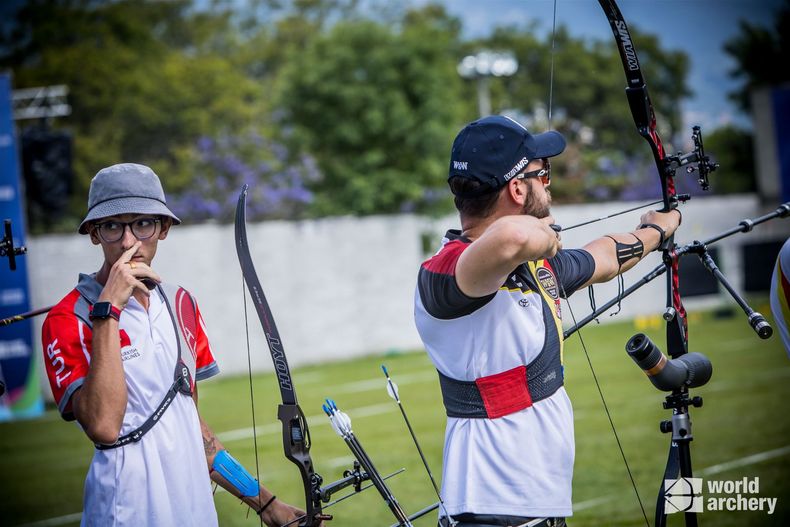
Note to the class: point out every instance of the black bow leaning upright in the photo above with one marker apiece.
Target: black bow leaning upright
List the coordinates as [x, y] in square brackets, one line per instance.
[296, 435]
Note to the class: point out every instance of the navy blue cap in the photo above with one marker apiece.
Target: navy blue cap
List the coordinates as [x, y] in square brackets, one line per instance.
[492, 150]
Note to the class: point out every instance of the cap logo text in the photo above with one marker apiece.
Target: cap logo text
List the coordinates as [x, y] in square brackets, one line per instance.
[460, 165]
[516, 169]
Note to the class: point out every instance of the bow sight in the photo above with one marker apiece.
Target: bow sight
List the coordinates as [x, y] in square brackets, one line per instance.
[7, 248]
[701, 162]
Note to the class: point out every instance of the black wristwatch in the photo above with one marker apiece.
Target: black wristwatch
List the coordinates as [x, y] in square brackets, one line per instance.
[103, 310]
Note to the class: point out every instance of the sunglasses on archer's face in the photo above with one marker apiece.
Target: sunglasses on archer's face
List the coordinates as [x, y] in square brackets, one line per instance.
[544, 174]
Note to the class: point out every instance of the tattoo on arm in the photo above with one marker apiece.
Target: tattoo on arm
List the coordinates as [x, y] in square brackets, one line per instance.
[209, 441]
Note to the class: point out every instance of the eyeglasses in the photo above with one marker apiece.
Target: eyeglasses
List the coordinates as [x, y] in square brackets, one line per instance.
[142, 229]
[544, 174]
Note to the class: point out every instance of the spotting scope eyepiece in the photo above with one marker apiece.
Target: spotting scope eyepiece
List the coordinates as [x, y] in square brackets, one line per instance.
[691, 370]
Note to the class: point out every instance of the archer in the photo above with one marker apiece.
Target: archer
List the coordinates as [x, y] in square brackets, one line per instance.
[111, 348]
[487, 308]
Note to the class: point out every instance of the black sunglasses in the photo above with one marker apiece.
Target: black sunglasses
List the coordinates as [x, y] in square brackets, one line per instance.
[544, 174]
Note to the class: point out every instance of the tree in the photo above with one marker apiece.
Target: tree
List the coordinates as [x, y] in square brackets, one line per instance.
[377, 106]
[605, 158]
[372, 95]
[277, 181]
[146, 80]
[759, 53]
[732, 148]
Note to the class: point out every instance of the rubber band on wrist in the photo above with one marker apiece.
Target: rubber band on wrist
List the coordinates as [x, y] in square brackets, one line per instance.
[266, 505]
[661, 232]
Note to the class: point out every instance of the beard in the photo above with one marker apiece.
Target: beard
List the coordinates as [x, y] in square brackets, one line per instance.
[534, 207]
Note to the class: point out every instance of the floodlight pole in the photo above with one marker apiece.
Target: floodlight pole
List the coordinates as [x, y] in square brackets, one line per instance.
[483, 96]
[481, 67]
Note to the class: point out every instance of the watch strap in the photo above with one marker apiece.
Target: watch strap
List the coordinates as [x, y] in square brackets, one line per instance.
[103, 310]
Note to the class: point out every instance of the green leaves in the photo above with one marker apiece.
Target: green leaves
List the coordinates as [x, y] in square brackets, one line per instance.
[372, 96]
[375, 106]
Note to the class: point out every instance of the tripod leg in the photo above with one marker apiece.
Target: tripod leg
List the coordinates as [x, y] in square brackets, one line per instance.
[671, 471]
[684, 454]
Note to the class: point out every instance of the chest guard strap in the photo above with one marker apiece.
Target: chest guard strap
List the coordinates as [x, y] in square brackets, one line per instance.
[506, 392]
[185, 363]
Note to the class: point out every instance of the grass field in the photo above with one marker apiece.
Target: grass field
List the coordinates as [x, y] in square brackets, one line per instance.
[742, 430]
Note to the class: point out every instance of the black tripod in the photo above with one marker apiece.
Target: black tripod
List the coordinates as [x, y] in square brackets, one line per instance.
[681, 494]
[678, 466]
[680, 373]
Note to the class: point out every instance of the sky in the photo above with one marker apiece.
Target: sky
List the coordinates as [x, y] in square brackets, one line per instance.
[698, 27]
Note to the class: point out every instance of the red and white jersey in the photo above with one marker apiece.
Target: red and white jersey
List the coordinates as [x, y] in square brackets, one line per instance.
[519, 464]
[163, 478]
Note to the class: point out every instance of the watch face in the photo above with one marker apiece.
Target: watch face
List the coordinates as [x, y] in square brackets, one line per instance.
[101, 310]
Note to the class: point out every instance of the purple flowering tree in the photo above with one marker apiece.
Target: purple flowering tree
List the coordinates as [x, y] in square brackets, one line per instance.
[277, 179]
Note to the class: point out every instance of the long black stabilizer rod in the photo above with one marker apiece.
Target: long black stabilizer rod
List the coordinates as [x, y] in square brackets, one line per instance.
[756, 320]
[748, 224]
[649, 277]
[743, 226]
[420, 513]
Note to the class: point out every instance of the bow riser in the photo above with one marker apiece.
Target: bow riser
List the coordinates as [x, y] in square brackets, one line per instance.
[296, 447]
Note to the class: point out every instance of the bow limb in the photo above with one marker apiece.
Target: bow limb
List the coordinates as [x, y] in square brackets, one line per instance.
[645, 121]
[296, 434]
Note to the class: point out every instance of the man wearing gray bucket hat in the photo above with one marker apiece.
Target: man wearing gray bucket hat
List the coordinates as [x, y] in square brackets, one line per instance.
[125, 188]
[123, 353]
[487, 307]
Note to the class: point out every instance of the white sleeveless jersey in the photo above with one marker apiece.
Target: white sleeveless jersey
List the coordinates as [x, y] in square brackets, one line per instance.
[520, 464]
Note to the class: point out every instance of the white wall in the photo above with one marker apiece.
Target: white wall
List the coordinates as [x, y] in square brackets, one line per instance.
[343, 287]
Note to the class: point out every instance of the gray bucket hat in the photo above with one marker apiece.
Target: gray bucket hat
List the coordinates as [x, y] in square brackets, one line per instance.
[126, 188]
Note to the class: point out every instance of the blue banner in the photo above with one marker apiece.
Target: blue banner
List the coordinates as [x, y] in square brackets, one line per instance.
[17, 364]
